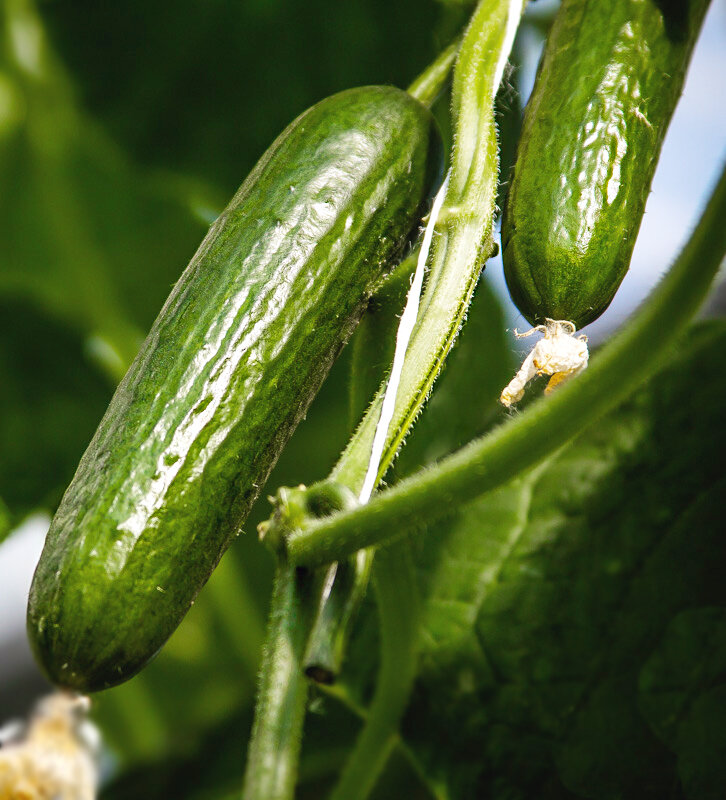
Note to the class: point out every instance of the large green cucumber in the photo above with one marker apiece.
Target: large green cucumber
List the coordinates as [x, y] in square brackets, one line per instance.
[236, 355]
[607, 85]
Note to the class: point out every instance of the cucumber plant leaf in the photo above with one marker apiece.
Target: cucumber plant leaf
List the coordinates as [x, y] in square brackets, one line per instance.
[682, 696]
[546, 599]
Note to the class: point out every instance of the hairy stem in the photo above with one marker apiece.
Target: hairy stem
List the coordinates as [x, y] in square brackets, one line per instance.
[274, 750]
[463, 238]
[398, 608]
[343, 588]
[345, 584]
[465, 242]
[456, 265]
[486, 463]
[458, 258]
[431, 82]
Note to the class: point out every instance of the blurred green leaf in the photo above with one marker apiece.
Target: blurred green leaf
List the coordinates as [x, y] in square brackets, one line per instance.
[5, 520]
[205, 87]
[90, 249]
[683, 698]
[546, 598]
[51, 399]
[212, 772]
[84, 235]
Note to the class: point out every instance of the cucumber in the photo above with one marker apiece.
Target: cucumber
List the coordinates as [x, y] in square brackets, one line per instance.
[606, 88]
[230, 366]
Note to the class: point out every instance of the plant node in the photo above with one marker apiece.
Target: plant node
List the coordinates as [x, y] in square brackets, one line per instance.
[295, 506]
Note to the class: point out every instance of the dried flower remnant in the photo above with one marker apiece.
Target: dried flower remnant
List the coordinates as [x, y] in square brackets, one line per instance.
[559, 354]
[52, 758]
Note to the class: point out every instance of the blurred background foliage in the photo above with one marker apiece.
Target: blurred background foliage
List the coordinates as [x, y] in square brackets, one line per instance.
[124, 128]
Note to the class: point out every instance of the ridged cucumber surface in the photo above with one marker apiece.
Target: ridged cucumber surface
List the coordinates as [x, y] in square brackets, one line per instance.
[607, 86]
[230, 366]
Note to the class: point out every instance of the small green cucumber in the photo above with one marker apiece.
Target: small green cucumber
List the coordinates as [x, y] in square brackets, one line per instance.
[230, 366]
[606, 89]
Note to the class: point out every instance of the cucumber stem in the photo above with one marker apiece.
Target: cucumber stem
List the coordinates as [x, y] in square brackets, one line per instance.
[396, 594]
[451, 283]
[427, 87]
[488, 462]
[484, 51]
[274, 749]
[346, 584]
[464, 233]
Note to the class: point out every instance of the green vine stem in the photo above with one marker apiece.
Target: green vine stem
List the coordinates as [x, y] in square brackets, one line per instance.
[617, 369]
[279, 713]
[345, 584]
[274, 750]
[374, 342]
[430, 83]
[393, 578]
[343, 588]
[51, 126]
[464, 229]
[479, 69]
[398, 608]
[341, 695]
[458, 256]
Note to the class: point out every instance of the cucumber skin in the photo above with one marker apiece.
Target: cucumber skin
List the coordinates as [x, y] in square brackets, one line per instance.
[586, 156]
[230, 366]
